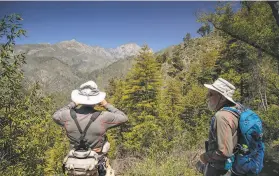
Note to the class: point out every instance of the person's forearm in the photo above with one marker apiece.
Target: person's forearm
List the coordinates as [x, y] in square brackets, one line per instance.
[112, 109]
[114, 116]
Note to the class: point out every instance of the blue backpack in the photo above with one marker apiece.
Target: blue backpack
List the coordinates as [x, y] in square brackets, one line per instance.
[248, 160]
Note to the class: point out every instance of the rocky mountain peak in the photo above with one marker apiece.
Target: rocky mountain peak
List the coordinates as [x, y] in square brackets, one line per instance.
[73, 44]
[126, 50]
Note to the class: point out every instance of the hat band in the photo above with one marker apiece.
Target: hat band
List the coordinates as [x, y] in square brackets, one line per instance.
[93, 92]
[225, 93]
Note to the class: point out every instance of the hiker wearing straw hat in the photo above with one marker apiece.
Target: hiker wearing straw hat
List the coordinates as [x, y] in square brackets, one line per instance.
[223, 129]
[85, 127]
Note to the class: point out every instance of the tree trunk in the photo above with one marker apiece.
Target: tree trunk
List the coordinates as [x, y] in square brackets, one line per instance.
[274, 5]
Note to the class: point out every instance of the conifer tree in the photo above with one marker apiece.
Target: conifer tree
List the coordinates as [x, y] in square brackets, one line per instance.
[11, 77]
[140, 99]
[175, 62]
[171, 106]
[186, 40]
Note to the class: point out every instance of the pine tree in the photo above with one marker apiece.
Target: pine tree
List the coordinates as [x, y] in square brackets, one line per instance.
[140, 99]
[11, 77]
[175, 62]
[25, 114]
[171, 106]
[186, 40]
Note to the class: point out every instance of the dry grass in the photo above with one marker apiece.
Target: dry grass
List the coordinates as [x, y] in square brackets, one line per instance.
[178, 162]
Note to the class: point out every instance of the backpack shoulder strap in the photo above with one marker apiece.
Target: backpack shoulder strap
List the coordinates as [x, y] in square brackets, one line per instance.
[236, 111]
[94, 116]
[74, 117]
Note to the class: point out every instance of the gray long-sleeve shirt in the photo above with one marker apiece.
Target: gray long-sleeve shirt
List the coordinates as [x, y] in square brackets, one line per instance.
[95, 134]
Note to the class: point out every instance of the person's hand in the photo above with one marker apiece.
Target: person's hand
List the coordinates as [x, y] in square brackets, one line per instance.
[202, 159]
[200, 167]
[103, 103]
[76, 104]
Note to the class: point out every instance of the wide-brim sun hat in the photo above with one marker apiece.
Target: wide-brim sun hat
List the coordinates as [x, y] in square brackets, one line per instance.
[223, 87]
[88, 94]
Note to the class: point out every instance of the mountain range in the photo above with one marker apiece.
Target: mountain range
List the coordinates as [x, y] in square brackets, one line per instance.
[64, 65]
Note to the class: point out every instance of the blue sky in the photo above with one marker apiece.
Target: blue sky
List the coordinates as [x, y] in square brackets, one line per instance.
[108, 24]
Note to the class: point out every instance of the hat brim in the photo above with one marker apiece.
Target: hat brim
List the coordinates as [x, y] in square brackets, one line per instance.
[209, 86]
[87, 100]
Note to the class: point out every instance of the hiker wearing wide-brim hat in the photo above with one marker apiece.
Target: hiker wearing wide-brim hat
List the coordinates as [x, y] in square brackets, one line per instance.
[223, 129]
[88, 94]
[224, 88]
[85, 126]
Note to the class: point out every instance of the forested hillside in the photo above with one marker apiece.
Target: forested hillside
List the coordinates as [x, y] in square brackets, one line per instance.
[163, 96]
